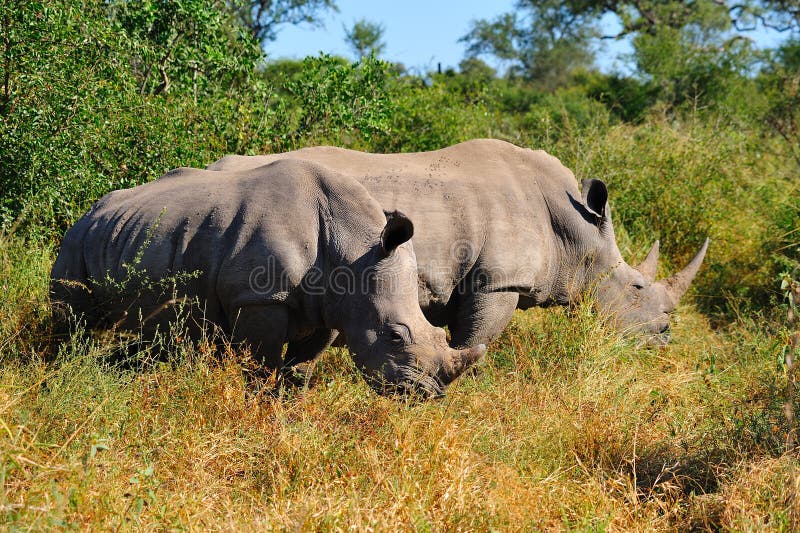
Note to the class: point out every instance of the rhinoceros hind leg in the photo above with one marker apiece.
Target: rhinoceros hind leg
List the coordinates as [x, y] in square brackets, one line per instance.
[481, 317]
[71, 302]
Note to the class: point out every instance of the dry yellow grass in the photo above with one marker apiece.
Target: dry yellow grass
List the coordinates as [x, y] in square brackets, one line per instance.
[566, 427]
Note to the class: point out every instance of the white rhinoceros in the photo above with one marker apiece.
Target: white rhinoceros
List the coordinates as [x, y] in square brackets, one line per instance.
[500, 227]
[289, 252]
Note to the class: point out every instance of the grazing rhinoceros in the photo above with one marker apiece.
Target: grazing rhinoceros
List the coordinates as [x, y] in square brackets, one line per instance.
[500, 227]
[289, 252]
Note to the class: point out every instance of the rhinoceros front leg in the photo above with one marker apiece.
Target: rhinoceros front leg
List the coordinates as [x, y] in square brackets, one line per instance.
[302, 351]
[264, 329]
[308, 348]
[481, 317]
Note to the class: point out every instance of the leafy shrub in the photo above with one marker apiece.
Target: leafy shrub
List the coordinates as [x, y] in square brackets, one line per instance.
[186, 46]
[332, 100]
[432, 117]
[626, 98]
[79, 117]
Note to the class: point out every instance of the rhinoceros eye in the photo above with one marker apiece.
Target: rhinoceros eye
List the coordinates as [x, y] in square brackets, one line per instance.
[399, 334]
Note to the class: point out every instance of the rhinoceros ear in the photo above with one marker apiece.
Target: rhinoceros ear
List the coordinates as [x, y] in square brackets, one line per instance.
[398, 230]
[595, 197]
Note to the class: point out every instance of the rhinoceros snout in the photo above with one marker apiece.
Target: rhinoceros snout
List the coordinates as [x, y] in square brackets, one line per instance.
[422, 379]
[414, 385]
[660, 339]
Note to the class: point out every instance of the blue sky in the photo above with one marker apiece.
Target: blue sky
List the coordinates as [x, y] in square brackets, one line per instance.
[420, 34]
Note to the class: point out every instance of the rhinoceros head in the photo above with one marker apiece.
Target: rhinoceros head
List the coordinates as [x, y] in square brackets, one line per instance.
[394, 345]
[631, 296]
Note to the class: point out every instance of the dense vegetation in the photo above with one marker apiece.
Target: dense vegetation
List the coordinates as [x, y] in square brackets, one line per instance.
[566, 426]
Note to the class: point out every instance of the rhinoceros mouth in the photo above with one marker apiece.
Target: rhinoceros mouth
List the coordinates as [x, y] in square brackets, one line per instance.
[659, 339]
[413, 384]
[655, 340]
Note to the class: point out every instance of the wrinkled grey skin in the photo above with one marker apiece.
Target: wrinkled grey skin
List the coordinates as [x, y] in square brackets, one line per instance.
[524, 236]
[290, 252]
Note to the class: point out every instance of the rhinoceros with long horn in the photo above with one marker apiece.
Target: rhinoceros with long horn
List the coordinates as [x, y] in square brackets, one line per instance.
[501, 227]
[290, 252]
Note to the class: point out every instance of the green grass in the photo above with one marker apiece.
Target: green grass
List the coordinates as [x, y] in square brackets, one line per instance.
[566, 426]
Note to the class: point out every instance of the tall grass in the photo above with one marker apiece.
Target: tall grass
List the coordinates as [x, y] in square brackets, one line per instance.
[566, 426]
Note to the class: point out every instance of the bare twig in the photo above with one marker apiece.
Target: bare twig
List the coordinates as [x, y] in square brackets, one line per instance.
[788, 406]
[789, 360]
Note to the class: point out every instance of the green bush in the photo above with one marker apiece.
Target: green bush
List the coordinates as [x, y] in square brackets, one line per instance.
[334, 101]
[80, 117]
[431, 117]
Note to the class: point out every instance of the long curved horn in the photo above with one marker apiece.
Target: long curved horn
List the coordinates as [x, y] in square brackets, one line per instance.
[459, 362]
[648, 266]
[677, 284]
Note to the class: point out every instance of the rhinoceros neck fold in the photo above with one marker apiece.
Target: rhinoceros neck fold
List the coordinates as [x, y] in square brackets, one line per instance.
[348, 251]
[578, 254]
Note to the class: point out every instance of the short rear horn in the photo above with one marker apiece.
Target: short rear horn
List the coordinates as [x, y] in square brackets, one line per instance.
[459, 361]
[650, 263]
[677, 284]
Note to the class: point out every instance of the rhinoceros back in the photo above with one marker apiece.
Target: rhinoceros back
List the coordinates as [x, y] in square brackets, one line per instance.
[479, 205]
[204, 232]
